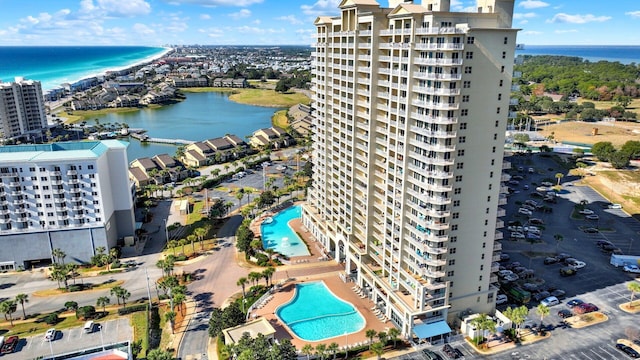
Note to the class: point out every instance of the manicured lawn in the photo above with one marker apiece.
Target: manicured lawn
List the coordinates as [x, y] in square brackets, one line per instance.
[140, 325]
[88, 115]
[280, 119]
[67, 320]
[188, 249]
[104, 285]
[195, 215]
[259, 97]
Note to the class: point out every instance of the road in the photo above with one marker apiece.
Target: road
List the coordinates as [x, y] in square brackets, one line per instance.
[216, 278]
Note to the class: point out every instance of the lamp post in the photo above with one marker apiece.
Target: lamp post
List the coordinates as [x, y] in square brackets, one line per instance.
[166, 232]
[101, 338]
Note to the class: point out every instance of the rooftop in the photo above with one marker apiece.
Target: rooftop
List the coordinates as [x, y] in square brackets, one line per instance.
[58, 151]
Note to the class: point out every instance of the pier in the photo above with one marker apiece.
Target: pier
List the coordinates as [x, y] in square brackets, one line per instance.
[147, 138]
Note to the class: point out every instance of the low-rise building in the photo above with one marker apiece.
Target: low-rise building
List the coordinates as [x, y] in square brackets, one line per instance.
[273, 136]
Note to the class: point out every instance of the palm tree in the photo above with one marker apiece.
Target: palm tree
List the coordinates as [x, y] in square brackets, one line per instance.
[255, 277]
[173, 244]
[378, 349]
[543, 311]
[170, 316]
[307, 350]
[239, 196]
[269, 273]
[559, 176]
[116, 291]
[22, 298]
[517, 316]
[248, 191]
[370, 334]
[634, 287]
[242, 282]
[182, 242]
[382, 337]
[321, 350]
[393, 335]
[333, 349]
[192, 239]
[559, 239]
[178, 300]
[103, 301]
[58, 256]
[8, 307]
[483, 323]
[200, 233]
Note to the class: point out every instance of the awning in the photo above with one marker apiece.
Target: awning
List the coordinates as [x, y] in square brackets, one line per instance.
[424, 331]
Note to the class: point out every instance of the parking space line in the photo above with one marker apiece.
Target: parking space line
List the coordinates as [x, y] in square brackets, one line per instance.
[585, 355]
[598, 355]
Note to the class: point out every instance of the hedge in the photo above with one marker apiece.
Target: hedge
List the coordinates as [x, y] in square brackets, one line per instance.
[132, 309]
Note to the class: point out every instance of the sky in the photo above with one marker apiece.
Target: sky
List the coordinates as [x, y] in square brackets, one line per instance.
[279, 22]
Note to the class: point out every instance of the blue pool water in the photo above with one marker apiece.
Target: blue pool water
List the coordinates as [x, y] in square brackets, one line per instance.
[316, 314]
[279, 236]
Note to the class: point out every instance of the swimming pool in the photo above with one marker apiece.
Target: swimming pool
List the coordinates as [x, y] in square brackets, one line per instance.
[277, 235]
[316, 314]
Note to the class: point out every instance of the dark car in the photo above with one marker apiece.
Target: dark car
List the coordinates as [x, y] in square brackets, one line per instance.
[628, 350]
[574, 302]
[603, 243]
[550, 260]
[563, 256]
[9, 345]
[537, 195]
[430, 355]
[565, 313]
[504, 257]
[590, 230]
[560, 294]
[585, 308]
[450, 352]
[567, 271]
[541, 295]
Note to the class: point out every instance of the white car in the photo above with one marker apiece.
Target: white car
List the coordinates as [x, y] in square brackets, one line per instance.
[550, 301]
[511, 277]
[586, 212]
[524, 211]
[50, 335]
[632, 268]
[515, 228]
[504, 273]
[517, 235]
[501, 299]
[615, 206]
[575, 264]
[546, 183]
[592, 217]
[531, 170]
[531, 202]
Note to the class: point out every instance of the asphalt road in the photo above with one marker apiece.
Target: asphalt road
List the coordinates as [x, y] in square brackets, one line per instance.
[216, 278]
[73, 339]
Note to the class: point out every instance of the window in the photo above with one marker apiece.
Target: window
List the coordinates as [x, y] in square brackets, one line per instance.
[454, 227]
[461, 152]
[452, 262]
[456, 203]
[487, 210]
[479, 279]
[90, 167]
[453, 239]
[486, 222]
[491, 174]
[501, 81]
[502, 69]
[457, 191]
[499, 97]
[32, 169]
[466, 84]
[468, 55]
[450, 273]
[506, 40]
[493, 150]
[470, 40]
[462, 139]
[504, 54]
[495, 136]
[497, 123]
[92, 176]
[488, 198]
[464, 112]
[484, 235]
[93, 184]
[463, 126]
[497, 110]
[467, 69]
[460, 166]
[465, 98]
[455, 215]
[482, 257]
[458, 178]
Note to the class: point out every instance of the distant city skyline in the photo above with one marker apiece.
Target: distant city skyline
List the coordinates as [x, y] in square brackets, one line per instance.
[278, 22]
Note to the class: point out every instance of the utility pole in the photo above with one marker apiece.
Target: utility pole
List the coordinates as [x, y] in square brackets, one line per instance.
[148, 288]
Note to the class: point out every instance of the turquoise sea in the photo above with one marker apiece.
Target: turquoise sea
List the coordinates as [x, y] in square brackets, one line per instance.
[593, 53]
[54, 65]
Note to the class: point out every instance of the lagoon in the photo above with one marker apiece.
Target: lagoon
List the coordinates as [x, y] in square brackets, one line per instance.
[199, 117]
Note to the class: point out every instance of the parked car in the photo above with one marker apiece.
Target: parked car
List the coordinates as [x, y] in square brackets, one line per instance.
[50, 335]
[628, 350]
[529, 207]
[550, 301]
[531, 170]
[511, 277]
[531, 202]
[430, 355]
[585, 308]
[517, 235]
[560, 294]
[631, 268]
[546, 183]
[564, 313]
[590, 230]
[503, 273]
[533, 236]
[550, 260]
[563, 256]
[574, 263]
[586, 212]
[515, 228]
[537, 195]
[504, 257]
[450, 352]
[9, 345]
[567, 271]
[574, 303]
[601, 243]
[535, 221]
[592, 217]
[525, 211]
[541, 295]
[501, 299]
[615, 206]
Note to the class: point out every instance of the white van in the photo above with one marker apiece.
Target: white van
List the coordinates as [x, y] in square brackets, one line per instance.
[88, 327]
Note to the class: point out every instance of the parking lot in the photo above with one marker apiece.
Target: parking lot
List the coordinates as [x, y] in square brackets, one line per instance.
[74, 339]
[598, 282]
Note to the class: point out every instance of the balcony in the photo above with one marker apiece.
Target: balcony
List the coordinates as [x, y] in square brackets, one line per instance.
[432, 160]
[497, 246]
[438, 134]
[4, 221]
[435, 119]
[506, 165]
[512, 114]
[435, 76]
[498, 235]
[439, 31]
[442, 46]
[501, 212]
[72, 172]
[434, 174]
[19, 202]
[436, 91]
[432, 61]
[514, 102]
[435, 105]
[517, 74]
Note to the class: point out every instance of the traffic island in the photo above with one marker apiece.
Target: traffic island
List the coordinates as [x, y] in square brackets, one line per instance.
[630, 307]
[492, 346]
[584, 320]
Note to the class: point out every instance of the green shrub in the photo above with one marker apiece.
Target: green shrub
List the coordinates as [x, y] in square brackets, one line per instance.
[86, 312]
[181, 257]
[132, 309]
[51, 319]
[116, 264]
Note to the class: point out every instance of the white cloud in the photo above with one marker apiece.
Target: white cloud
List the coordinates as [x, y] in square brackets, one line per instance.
[210, 3]
[577, 19]
[533, 4]
[143, 29]
[529, 15]
[522, 22]
[532, 32]
[291, 19]
[205, 16]
[566, 31]
[635, 14]
[257, 21]
[114, 8]
[244, 13]
[321, 7]
[256, 30]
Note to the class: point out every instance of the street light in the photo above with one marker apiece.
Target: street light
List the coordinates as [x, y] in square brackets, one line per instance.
[101, 338]
[166, 232]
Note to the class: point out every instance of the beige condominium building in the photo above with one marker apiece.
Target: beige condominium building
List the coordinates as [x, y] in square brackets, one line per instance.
[21, 109]
[411, 104]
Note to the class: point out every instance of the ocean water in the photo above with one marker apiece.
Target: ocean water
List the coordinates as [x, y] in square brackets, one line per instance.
[593, 53]
[54, 65]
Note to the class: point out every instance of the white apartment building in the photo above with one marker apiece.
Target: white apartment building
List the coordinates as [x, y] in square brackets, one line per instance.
[21, 108]
[73, 196]
[411, 108]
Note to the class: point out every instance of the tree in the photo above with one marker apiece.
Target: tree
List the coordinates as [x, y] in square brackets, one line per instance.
[483, 323]
[521, 138]
[631, 148]
[71, 305]
[239, 196]
[215, 322]
[200, 233]
[103, 301]
[170, 316]
[321, 350]
[559, 176]
[307, 349]
[517, 316]
[178, 300]
[159, 354]
[8, 307]
[619, 159]
[242, 282]
[268, 273]
[254, 277]
[378, 349]
[394, 333]
[602, 150]
[634, 287]
[86, 312]
[22, 298]
[370, 333]
[58, 256]
[382, 337]
[192, 239]
[333, 349]
[543, 311]
[558, 238]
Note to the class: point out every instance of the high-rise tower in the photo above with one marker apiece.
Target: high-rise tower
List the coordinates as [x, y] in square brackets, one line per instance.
[411, 105]
[21, 108]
